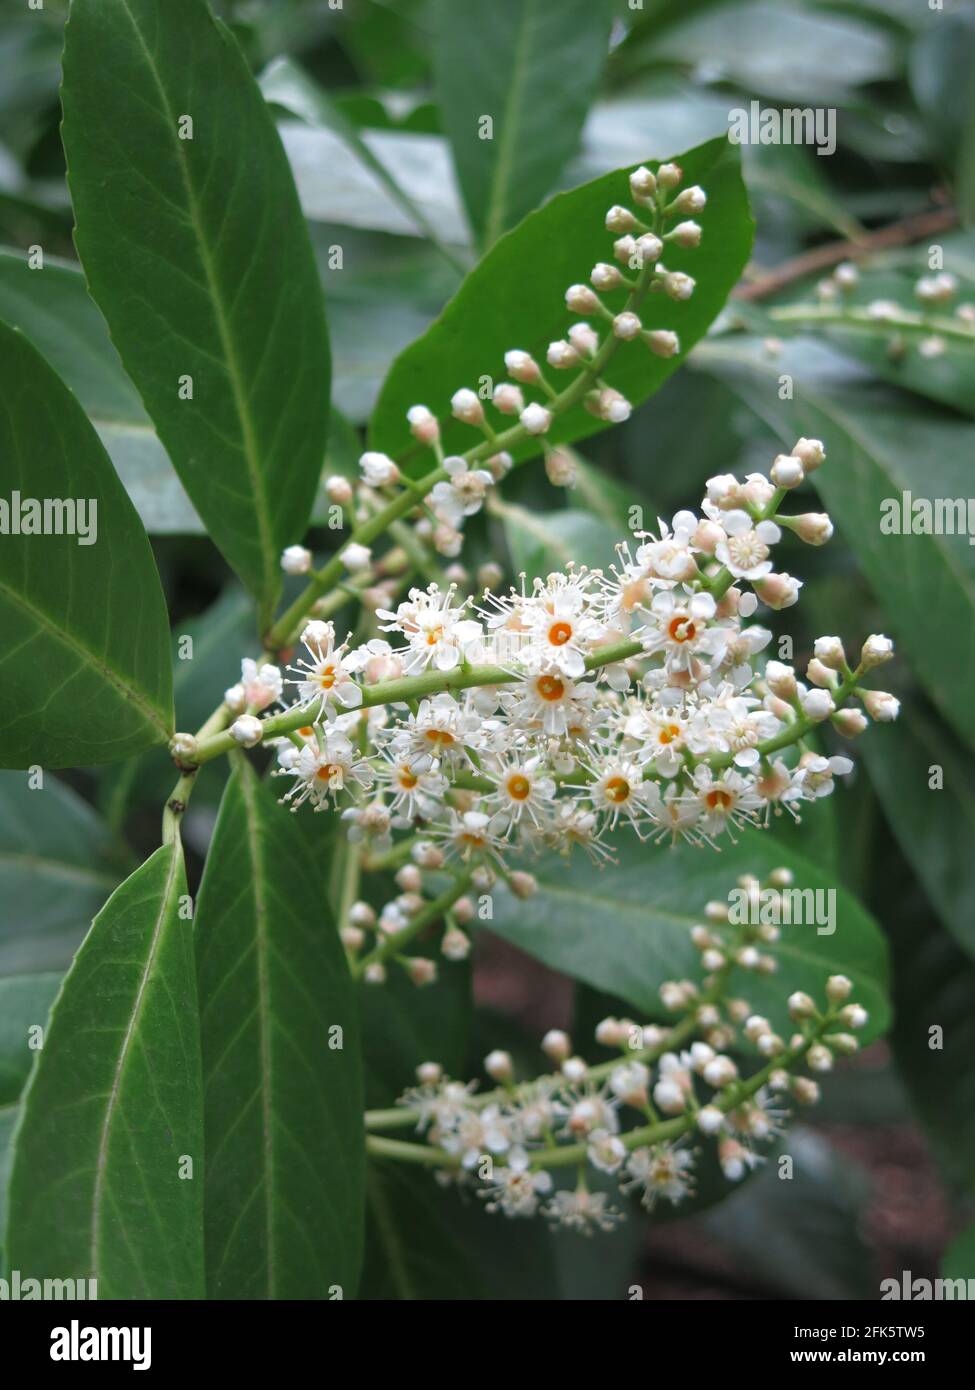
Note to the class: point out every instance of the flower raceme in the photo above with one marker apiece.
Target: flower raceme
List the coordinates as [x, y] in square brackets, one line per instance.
[642, 1119]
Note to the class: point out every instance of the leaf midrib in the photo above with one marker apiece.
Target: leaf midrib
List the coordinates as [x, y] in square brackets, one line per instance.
[248, 431]
[131, 693]
[497, 199]
[102, 1155]
[251, 819]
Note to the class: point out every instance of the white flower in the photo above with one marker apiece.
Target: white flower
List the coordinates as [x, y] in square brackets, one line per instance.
[660, 1171]
[745, 549]
[515, 1190]
[437, 633]
[464, 494]
[582, 1211]
[327, 766]
[605, 1151]
[261, 685]
[326, 679]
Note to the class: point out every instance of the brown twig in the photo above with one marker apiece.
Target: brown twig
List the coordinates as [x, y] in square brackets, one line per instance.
[915, 228]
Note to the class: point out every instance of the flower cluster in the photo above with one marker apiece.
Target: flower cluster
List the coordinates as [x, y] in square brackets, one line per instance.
[935, 294]
[720, 1074]
[528, 398]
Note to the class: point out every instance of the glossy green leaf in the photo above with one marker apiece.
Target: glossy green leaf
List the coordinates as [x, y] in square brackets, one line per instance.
[626, 929]
[107, 1178]
[197, 255]
[926, 786]
[25, 1002]
[532, 69]
[58, 864]
[84, 671]
[540, 542]
[285, 1160]
[516, 298]
[934, 1026]
[425, 1242]
[881, 446]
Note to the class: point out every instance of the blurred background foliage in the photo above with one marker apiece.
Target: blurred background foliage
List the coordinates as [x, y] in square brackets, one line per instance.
[375, 100]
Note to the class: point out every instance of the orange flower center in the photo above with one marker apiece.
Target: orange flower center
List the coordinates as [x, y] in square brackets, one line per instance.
[326, 677]
[559, 634]
[442, 736]
[519, 787]
[550, 687]
[618, 790]
[306, 731]
[407, 779]
[681, 629]
[719, 798]
[668, 733]
[328, 771]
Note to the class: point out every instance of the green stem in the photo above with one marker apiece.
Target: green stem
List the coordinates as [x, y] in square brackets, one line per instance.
[434, 910]
[905, 321]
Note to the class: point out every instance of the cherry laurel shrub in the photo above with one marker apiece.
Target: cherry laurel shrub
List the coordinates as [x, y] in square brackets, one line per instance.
[411, 745]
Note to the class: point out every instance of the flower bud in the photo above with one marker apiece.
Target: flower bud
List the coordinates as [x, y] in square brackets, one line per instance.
[815, 528]
[535, 418]
[378, 470]
[455, 945]
[423, 424]
[574, 1069]
[643, 184]
[463, 910]
[374, 973]
[295, 559]
[624, 250]
[804, 1090]
[508, 399]
[854, 1016]
[605, 277]
[584, 339]
[817, 704]
[787, 471]
[562, 355]
[490, 575]
[849, 722]
[522, 366]
[338, 490]
[720, 1071]
[669, 175]
[778, 590]
[421, 970]
[781, 680]
[810, 453]
[466, 406]
[710, 1119]
[648, 249]
[352, 938]
[821, 674]
[829, 650]
[619, 219]
[522, 884]
[801, 1006]
[663, 343]
[875, 651]
[686, 235]
[429, 1073]
[691, 199]
[627, 326]
[499, 1065]
[409, 878]
[880, 705]
[356, 557]
[843, 1043]
[247, 731]
[556, 1045]
[427, 855]
[582, 300]
[678, 285]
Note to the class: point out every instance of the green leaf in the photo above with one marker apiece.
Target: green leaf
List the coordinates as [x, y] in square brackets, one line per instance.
[959, 1259]
[84, 674]
[627, 929]
[540, 542]
[803, 1238]
[25, 1001]
[881, 446]
[426, 1242]
[531, 268]
[934, 826]
[8, 1123]
[934, 1027]
[285, 1157]
[531, 67]
[58, 864]
[286, 84]
[113, 1110]
[196, 252]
